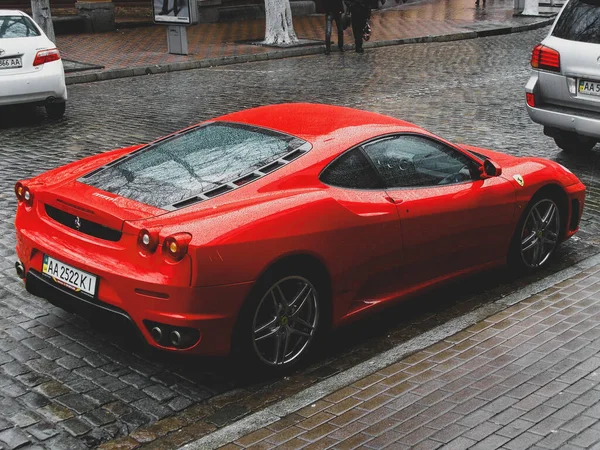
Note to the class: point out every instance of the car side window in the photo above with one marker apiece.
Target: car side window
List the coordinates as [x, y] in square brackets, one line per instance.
[352, 170]
[416, 161]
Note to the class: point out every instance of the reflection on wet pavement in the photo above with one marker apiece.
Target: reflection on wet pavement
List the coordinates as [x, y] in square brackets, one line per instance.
[460, 10]
[145, 46]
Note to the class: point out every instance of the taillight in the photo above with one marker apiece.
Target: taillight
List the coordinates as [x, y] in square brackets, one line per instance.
[19, 188]
[545, 58]
[45, 56]
[175, 246]
[530, 99]
[23, 194]
[148, 240]
[27, 196]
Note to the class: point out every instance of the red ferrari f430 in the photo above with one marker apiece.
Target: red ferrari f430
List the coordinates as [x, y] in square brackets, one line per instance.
[257, 231]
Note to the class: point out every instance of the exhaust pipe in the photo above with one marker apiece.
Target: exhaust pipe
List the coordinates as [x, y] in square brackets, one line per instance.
[171, 336]
[51, 100]
[156, 333]
[20, 268]
[175, 338]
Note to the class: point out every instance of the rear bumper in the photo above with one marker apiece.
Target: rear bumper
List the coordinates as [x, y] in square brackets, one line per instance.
[126, 291]
[62, 297]
[34, 87]
[580, 121]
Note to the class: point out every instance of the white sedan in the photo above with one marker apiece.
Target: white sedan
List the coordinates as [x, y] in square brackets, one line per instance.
[31, 70]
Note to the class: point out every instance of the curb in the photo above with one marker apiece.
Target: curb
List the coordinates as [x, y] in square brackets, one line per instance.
[112, 74]
[310, 395]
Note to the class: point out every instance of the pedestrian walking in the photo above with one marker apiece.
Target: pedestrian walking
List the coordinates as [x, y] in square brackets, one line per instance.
[361, 12]
[333, 11]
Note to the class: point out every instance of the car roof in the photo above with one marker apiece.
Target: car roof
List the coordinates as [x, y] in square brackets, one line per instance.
[11, 12]
[315, 122]
[330, 129]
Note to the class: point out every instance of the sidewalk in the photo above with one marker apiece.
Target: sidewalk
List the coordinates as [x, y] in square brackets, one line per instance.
[525, 377]
[143, 50]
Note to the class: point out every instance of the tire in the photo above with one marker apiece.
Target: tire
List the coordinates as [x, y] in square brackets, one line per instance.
[56, 110]
[281, 320]
[537, 235]
[571, 142]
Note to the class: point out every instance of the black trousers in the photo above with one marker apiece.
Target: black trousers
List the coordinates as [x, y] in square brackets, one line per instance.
[329, 18]
[165, 7]
[360, 14]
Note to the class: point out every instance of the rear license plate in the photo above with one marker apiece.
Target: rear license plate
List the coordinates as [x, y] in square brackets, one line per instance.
[589, 88]
[69, 276]
[11, 63]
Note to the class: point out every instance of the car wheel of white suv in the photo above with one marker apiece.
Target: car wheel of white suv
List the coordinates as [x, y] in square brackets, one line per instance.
[56, 110]
[571, 142]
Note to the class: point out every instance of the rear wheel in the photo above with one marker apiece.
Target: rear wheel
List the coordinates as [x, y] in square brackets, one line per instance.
[281, 320]
[56, 110]
[571, 142]
[537, 234]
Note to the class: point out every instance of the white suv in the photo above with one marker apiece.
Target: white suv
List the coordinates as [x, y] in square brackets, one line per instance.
[563, 93]
[31, 70]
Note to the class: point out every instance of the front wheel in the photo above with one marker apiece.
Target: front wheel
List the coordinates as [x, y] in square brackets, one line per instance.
[571, 142]
[537, 234]
[281, 321]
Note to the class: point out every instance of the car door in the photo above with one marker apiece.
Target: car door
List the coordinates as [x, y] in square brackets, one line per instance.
[451, 220]
[366, 243]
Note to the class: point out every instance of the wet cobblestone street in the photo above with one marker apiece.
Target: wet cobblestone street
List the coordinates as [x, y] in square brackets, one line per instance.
[65, 384]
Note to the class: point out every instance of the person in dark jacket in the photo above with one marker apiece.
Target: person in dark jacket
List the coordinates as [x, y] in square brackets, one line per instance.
[333, 11]
[361, 11]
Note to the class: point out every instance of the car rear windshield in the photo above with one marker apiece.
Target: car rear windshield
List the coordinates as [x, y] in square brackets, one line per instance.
[196, 161]
[17, 27]
[579, 21]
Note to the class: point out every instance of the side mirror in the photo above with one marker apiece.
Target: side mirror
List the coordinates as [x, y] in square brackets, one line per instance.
[490, 169]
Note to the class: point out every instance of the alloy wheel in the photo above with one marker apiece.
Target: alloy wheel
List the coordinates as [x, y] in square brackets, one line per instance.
[540, 232]
[285, 321]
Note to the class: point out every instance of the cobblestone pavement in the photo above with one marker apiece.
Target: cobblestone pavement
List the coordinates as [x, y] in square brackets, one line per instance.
[66, 384]
[524, 378]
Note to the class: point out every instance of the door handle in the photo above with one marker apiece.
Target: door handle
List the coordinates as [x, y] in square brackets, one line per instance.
[395, 201]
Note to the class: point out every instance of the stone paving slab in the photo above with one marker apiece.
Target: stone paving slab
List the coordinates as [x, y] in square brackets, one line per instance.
[526, 377]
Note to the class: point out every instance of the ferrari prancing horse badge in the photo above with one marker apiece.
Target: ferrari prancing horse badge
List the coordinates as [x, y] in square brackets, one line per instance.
[519, 179]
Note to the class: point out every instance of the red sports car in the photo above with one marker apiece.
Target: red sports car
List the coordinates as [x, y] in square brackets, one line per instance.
[259, 230]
